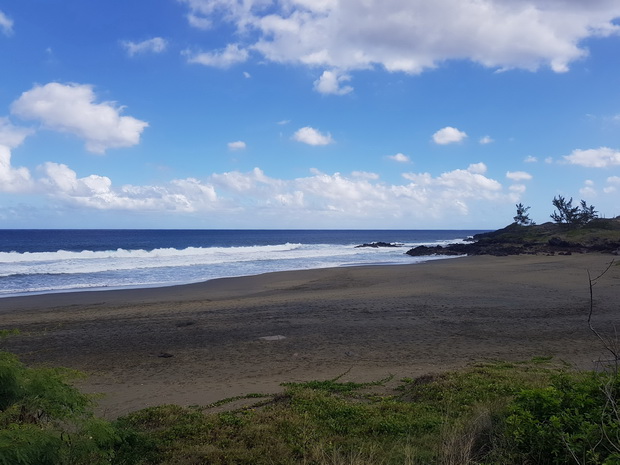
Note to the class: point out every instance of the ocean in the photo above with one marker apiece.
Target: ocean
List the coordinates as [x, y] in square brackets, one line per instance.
[46, 261]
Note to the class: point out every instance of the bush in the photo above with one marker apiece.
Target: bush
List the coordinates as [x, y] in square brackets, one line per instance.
[44, 420]
[574, 420]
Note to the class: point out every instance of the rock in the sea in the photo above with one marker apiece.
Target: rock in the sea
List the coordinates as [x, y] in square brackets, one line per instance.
[424, 250]
[378, 244]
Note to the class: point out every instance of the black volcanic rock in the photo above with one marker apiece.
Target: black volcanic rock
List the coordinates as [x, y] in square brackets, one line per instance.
[378, 244]
[600, 235]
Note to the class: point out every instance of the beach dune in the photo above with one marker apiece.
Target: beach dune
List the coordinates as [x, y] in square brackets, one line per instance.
[199, 343]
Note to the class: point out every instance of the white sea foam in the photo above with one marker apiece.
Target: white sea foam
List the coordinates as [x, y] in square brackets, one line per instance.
[32, 272]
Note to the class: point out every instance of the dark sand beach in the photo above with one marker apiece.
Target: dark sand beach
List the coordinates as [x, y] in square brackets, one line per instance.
[199, 343]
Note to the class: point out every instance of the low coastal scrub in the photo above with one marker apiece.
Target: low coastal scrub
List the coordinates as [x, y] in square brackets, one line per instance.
[44, 420]
[491, 413]
[538, 412]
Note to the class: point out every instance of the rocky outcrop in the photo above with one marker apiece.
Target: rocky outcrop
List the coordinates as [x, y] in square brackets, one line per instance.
[379, 244]
[600, 235]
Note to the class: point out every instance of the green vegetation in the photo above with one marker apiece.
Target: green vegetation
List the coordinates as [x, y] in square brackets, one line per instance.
[522, 217]
[535, 412]
[567, 214]
[44, 420]
[491, 413]
[599, 234]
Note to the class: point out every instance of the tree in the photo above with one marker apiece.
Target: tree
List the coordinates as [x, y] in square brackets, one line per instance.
[587, 213]
[522, 218]
[567, 214]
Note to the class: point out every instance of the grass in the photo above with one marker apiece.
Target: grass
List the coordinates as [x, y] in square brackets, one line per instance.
[535, 412]
[446, 419]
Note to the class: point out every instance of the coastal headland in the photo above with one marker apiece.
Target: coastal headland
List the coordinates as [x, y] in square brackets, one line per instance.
[199, 343]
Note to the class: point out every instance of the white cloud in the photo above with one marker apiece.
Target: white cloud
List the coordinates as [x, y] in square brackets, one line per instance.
[613, 183]
[478, 168]
[247, 75]
[451, 191]
[603, 157]
[549, 160]
[319, 198]
[12, 136]
[71, 108]
[486, 140]
[199, 22]
[154, 45]
[6, 24]
[330, 82]
[414, 35]
[365, 175]
[311, 136]
[97, 192]
[530, 159]
[237, 145]
[12, 179]
[448, 135]
[319, 195]
[224, 58]
[518, 176]
[588, 190]
[399, 157]
[241, 182]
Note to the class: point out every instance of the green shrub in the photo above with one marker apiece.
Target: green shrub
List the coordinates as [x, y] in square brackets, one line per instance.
[573, 420]
[45, 420]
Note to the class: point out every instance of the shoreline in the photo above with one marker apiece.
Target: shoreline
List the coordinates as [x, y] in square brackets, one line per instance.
[166, 285]
[197, 343]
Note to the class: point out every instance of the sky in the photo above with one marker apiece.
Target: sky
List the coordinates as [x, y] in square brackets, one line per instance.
[306, 114]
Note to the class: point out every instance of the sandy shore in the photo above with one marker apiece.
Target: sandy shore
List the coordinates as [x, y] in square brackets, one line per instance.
[403, 320]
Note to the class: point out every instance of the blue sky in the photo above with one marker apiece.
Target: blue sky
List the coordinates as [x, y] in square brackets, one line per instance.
[399, 114]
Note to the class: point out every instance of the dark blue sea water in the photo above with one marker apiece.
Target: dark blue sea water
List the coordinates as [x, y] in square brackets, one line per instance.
[41, 261]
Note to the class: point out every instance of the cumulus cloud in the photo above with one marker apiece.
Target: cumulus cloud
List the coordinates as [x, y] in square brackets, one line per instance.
[6, 24]
[12, 136]
[414, 35]
[311, 136]
[399, 157]
[486, 140]
[530, 159]
[331, 82]
[154, 45]
[71, 108]
[97, 192]
[454, 189]
[448, 135]
[225, 58]
[588, 189]
[237, 145]
[603, 157]
[613, 184]
[12, 179]
[310, 199]
[518, 176]
[365, 175]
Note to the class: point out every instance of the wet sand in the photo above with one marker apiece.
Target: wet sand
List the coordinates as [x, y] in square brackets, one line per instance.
[196, 344]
